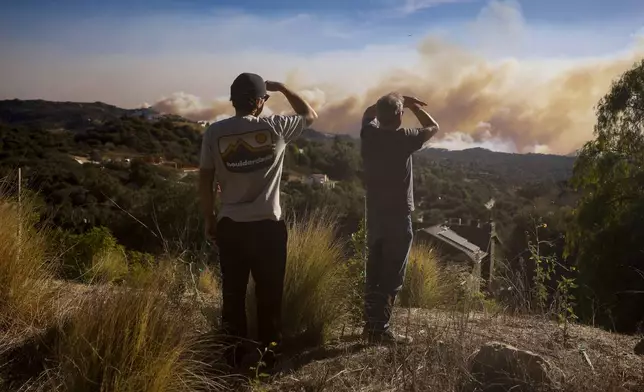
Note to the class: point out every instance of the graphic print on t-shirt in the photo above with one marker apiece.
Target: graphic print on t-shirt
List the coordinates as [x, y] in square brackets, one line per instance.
[247, 152]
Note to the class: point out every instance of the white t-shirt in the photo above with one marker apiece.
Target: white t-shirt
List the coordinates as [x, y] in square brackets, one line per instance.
[247, 154]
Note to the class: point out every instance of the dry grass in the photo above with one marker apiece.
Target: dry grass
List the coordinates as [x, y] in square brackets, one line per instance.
[131, 340]
[26, 295]
[439, 359]
[423, 287]
[134, 338]
[207, 282]
[316, 285]
[144, 337]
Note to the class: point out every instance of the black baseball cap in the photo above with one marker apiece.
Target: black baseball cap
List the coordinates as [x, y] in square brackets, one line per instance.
[248, 85]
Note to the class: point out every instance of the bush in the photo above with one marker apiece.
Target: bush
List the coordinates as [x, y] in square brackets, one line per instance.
[316, 286]
[93, 257]
[423, 287]
[131, 338]
[136, 339]
[26, 290]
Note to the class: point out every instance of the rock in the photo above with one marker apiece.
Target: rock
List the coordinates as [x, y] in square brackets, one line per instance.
[498, 367]
[639, 347]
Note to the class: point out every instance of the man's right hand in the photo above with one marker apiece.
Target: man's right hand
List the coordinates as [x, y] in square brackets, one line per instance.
[411, 102]
[298, 104]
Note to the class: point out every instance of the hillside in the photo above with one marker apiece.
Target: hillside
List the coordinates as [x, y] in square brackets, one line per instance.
[57, 115]
[137, 151]
[516, 168]
[118, 189]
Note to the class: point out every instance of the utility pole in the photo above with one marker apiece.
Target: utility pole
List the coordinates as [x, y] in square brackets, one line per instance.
[19, 211]
[493, 237]
[366, 245]
[19, 184]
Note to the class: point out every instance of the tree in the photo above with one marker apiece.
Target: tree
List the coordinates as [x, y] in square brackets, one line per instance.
[607, 232]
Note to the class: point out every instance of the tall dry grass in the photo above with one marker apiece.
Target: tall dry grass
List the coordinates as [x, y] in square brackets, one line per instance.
[317, 286]
[27, 294]
[132, 339]
[423, 286]
[137, 337]
[207, 282]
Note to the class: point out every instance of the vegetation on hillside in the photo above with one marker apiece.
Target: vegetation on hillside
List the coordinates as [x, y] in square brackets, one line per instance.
[126, 225]
[149, 334]
[606, 236]
[152, 208]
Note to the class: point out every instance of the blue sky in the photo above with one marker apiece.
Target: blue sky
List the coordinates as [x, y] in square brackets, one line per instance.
[181, 55]
[429, 10]
[54, 21]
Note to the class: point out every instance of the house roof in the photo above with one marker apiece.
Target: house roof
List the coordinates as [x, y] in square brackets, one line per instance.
[446, 235]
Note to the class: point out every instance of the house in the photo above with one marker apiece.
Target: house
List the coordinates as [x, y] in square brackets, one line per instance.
[320, 179]
[472, 244]
[454, 249]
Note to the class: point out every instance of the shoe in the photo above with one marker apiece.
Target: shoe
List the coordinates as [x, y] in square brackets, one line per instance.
[386, 337]
[234, 355]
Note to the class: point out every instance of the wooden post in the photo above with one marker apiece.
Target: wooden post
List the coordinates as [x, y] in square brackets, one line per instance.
[19, 211]
[366, 245]
[493, 240]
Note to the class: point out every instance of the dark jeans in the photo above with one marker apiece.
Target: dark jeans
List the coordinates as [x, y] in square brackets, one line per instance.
[257, 248]
[389, 245]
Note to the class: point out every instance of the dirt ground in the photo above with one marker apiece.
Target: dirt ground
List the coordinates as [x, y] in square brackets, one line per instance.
[443, 343]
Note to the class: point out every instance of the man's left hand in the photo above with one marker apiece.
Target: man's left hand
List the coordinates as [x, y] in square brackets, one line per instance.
[211, 228]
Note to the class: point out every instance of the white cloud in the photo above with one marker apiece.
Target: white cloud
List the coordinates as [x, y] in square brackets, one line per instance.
[462, 141]
[411, 6]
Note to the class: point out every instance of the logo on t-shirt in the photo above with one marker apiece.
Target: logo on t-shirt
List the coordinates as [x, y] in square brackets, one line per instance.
[247, 152]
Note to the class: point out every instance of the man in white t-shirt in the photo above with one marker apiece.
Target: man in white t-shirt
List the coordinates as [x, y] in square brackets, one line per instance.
[246, 154]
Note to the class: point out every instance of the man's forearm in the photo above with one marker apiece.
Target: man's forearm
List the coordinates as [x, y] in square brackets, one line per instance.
[300, 106]
[369, 114]
[206, 193]
[424, 118]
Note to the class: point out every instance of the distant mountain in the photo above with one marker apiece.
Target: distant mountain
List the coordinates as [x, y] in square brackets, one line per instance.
[312, 134]
[85, 129]
[73, 116]
[95, 125]
[46, 114]
[514, 167]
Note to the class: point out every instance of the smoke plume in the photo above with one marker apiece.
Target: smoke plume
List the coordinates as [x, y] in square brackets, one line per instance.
[533, 106]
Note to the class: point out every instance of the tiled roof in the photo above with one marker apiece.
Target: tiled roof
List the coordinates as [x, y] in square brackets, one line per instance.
[449, 237]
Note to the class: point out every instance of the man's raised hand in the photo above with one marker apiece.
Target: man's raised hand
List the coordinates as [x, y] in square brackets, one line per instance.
[410, 102]
[274, 86]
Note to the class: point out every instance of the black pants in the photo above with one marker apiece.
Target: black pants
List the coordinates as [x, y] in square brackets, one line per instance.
[258, 248]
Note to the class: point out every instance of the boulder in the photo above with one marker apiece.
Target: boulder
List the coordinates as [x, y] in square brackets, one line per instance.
[498, 367]
[639, 347]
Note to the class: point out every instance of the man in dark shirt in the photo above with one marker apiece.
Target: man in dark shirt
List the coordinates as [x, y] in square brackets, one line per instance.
[386, 153]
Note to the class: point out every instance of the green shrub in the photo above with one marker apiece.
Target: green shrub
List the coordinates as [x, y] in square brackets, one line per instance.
[94, 256]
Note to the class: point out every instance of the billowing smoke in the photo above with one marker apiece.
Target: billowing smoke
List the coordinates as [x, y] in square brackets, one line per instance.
[522, 106]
